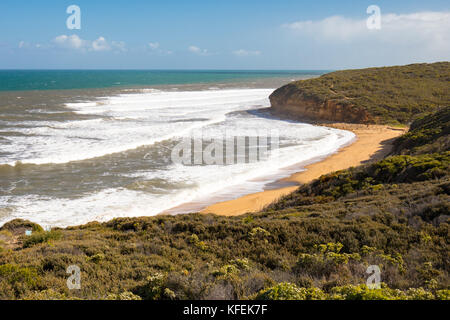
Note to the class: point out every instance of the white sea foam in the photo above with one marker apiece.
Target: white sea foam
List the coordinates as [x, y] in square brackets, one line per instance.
[151, 116]
[131, 120]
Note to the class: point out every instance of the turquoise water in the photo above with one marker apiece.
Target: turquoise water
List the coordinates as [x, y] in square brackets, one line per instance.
[15, 80]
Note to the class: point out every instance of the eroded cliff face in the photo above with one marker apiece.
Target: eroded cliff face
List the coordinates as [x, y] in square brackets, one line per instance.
[292, 102]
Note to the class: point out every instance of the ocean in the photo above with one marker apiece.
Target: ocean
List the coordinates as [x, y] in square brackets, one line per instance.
[80, 146]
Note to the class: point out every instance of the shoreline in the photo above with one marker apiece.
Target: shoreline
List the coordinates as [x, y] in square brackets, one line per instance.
[269, 182]
[373, 142]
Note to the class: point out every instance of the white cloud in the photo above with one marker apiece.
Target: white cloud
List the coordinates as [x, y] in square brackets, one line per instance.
[424, 28]
[100, 45]
[341, 42]
[156, 49]
[330, 28]
[71, 42]
[197, 50]
[246, 53]
[153, 45]
[31, 45]
[119, 46]
[194, 49]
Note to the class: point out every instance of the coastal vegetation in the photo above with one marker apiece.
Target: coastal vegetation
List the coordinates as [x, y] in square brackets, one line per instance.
[316, 243]
[389, 95]
[427, 134]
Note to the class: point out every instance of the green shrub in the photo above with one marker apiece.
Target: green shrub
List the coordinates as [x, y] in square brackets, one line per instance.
[282, 291]
[123, 296]
[197, 243]
[443, 294]
[14, 274]
[40, 237]
[153, 289]
[48, 294]
[96, 258]
[325, 261]
[16, 224]
[428, 134]
[225, 271]
[362, 292]
[258, 233]
[242, 264]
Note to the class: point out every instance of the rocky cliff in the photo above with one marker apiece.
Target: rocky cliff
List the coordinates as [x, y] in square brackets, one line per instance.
[290, 101]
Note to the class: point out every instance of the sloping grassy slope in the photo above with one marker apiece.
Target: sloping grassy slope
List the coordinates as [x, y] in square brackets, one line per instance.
[389, 95]
[427, 134]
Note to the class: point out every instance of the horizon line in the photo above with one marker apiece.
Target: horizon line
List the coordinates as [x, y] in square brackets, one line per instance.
[156, 69]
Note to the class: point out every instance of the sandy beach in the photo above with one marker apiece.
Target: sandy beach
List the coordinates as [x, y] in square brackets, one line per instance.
[373, 142]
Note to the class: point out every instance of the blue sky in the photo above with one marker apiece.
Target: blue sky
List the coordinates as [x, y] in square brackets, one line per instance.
[217, 34]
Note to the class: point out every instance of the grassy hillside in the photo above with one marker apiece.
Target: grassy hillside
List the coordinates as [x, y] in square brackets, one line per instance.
[427, 134]
[394, 172]
[325, 246]
[389, 95]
